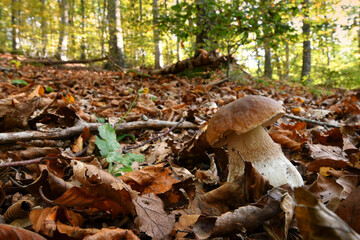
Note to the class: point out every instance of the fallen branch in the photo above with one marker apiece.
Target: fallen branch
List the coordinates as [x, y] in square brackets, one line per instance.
[49, 62]
[312, 121]
[12, 137]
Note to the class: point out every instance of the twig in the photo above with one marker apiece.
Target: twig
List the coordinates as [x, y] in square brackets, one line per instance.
[12, 137]
[312, 121]
[25, 162]
[156, 137]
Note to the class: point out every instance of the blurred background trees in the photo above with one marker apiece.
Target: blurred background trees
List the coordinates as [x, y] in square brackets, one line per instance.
[311, 41]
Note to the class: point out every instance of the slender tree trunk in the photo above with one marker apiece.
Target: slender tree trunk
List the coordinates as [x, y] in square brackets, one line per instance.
[202, 36]
[267, 67]
[287, 61]
[63, 34]
[103, 28]
[142, 51]
[158, 52]
[15, 22]
[43, 29]
[306, 65]
[82, 46]
[116, 44]
[178, 49]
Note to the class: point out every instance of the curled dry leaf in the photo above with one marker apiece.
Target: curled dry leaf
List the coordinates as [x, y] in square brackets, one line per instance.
[326, 156]
[95, 180]
[248, 188]
[112, 234]
[242, 219]
[316, 221]
[46, 220]
[151, 179]
[152, 219]
[349, 210]
[75, 231]
[325, 188]
[76, 197]
[15, 233]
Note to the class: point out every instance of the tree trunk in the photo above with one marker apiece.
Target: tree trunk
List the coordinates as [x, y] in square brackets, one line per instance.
[82, 46]
[43, 20]
[287, 61]
[63, 34]
[158, 52]
[103, 28]
[116, 44]
[267, 66]
[306, 65]
[202, 36]
[15, 22]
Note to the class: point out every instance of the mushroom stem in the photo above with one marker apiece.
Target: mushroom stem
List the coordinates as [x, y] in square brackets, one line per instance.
[256, 146]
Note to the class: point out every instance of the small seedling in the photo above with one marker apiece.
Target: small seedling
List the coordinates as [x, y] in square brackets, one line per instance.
[19, 82]
[109, 147]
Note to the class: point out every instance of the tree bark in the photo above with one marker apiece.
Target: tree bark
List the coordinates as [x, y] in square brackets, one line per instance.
[267, 67]
[43, 29]
[202, 36]
[15, 22]
[306, 64]
[82, 46]
[287, 61]
[158, 52]
[116, 44]
[63, 34]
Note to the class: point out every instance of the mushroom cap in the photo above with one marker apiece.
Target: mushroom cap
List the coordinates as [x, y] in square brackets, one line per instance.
[241, 116]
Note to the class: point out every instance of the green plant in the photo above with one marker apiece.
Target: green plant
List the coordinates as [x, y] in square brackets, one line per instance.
[109, 147]
[19, 82]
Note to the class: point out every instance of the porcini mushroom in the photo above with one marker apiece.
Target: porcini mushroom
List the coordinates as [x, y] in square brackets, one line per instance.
[240, 124]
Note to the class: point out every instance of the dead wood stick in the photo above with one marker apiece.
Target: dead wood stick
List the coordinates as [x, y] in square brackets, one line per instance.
[49, 62]
[312, 121]
[12, 137]
[25, 162]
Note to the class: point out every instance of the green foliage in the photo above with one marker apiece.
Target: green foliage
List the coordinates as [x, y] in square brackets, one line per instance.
[110, 148]
[19, 82]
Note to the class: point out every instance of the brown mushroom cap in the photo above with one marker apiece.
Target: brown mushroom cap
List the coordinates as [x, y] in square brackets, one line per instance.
[242, 116]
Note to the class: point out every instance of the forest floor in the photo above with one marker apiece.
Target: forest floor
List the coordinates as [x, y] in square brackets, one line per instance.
[55, 181]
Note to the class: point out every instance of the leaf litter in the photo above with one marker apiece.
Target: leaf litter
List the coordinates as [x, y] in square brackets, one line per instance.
[48, 131]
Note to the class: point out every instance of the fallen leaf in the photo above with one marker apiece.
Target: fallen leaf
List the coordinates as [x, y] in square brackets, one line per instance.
[151, 217]
[315, 221]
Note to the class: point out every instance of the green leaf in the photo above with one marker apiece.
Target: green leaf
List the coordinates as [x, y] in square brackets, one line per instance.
[124, 169]
[49, 89]
[115, 157]
[122, 136]
[19, 81]
[107, 133]
[103, 146]
[100, 119]
[129, 158]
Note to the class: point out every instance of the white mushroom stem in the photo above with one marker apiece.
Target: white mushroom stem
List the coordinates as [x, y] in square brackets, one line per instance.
[256, 146]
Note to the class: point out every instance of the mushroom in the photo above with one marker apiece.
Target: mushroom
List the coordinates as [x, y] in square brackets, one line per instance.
[240, 124]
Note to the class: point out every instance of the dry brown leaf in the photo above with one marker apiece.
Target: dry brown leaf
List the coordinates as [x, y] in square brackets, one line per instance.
[75, 231]
[248, 188]
[185, 223]
[43, 220]
[325, 188]
[15, 233]
[151, 179]
[151, 217]
[349, 210]
[112, 234]
[243, 219]
[97, 181]
[315, 221]
[326, 156]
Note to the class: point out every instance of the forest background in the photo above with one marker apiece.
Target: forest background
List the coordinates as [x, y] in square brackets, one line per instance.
[308, 41]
